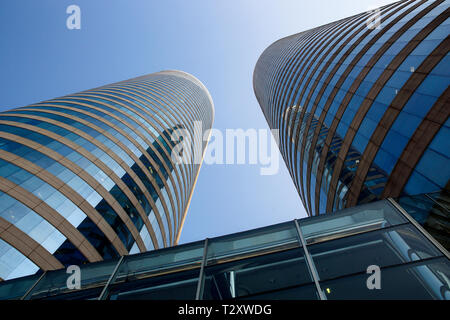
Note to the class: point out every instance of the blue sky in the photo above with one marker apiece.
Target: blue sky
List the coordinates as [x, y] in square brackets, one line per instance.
[219, 42]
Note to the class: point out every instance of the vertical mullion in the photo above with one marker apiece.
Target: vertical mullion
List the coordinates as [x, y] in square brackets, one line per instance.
[310, 262]
[105, 290]
[27, 294]
[419, 227]
[201, 277]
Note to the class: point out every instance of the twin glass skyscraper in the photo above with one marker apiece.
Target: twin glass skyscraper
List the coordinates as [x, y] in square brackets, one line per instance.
[90, 176]
[362, 105]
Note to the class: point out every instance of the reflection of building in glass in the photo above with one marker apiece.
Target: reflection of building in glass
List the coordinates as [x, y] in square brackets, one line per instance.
[302, 259]
[363, 112]
[90, 176]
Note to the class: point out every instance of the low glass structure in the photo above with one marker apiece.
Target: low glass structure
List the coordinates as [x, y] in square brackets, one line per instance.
[318, 257]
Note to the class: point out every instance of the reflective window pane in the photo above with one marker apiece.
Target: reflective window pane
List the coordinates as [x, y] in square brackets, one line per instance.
[384, 247]
[261, 240]
[257, 275]
[164, 260]
[350, 221]
[422, 281]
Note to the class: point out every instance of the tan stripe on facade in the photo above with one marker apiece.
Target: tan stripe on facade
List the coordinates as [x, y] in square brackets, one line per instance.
[181, 185]
[168, 93]
[105, 194]
[340, 34]
[170, 102]
[283, 88]
[52, 216]
[184, 117]
[138, 162]
[100, 164]
[393, 111]
[158, 155]
[118, 209]
[188, 113]
[179, 170]
[371, 96]
[347, 98]
[27, 246]
[186, 121]
[417, 145]
[360, 54]
[326, 41]
[71, 194]
[163, 97]
[143, 151]
[81, 242]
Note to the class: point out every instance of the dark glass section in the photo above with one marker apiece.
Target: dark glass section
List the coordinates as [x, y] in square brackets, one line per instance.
[178, 286]
[386, 247]
[95, 236]
[418, 281]
[432, 212]
[256, 276]
[68, 254]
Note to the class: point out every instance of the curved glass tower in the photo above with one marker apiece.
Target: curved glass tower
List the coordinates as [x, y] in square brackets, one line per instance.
[362, 105]
[91, 176]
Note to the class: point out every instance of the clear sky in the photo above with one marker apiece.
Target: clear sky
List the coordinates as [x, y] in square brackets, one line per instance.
[217, 41]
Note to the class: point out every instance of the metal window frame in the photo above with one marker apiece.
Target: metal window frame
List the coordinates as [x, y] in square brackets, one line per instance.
[104, 294]
[311, 266]
[419, 227]
[27, 295]
[201, 277]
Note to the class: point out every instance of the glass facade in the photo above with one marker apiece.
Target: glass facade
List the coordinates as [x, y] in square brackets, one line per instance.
[314, 258]
[90, 176]
[362, 105]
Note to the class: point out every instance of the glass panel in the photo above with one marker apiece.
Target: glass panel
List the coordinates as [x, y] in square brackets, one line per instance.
[16, 288]
[161, 261]
[443, 198]
[174, 286]
[263, 240]
[433, 216]
[423, 280]
[384, 247]
[305, 292]
[350, 221]
[92, 275]
[88, 294]
[261, 274]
